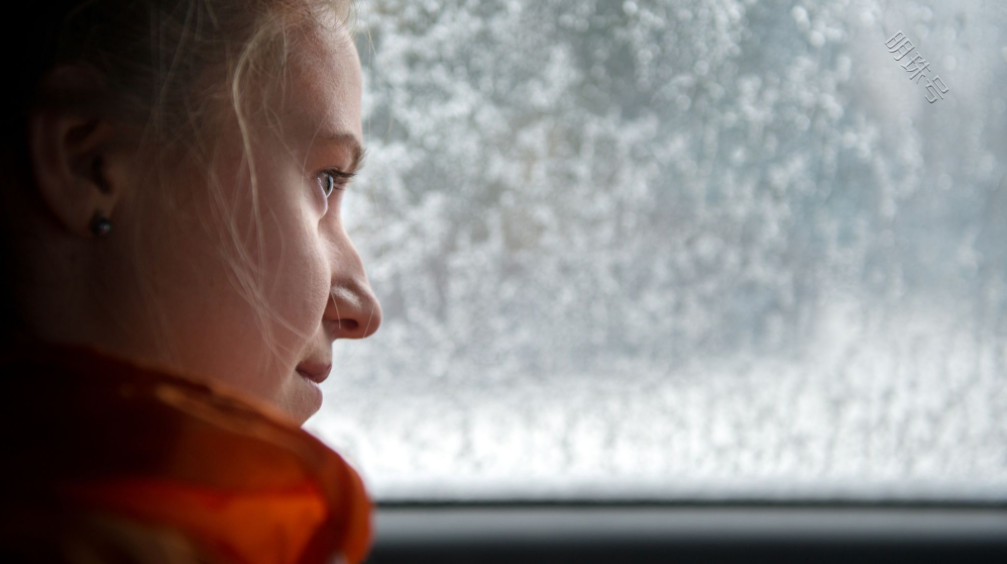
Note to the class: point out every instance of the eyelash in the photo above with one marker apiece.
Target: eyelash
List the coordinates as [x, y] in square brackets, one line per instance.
[339, 180]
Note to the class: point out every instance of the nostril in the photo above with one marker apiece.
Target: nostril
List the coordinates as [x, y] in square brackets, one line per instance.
[347, 324]
[352, 312]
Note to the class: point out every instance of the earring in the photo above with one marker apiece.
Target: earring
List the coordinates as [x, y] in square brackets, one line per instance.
[100, 225]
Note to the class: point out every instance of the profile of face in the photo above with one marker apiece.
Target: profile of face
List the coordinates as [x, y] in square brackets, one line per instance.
[303, 145]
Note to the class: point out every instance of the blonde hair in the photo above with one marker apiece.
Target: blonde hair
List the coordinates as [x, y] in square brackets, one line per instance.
[181, 68]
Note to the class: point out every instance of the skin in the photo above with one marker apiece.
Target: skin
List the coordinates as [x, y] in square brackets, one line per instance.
[196, 320]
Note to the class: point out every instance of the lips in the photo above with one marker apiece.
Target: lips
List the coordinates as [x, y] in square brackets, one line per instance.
[314, 371]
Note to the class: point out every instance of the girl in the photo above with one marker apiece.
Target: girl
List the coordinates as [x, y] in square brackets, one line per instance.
[175, 275]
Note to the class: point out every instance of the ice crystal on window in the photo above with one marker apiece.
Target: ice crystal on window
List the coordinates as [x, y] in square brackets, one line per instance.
[679, 249]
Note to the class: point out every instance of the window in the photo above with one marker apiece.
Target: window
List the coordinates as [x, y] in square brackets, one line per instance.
[680, 250]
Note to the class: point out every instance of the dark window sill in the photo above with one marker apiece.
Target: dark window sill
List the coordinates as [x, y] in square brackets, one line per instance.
[689, 533]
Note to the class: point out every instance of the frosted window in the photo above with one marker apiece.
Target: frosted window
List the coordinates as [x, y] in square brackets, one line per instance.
[674, 249]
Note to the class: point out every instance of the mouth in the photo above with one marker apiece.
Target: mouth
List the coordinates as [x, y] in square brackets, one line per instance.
[315, 372]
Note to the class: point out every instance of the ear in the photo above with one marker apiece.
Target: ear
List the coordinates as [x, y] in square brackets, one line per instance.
[76, 163]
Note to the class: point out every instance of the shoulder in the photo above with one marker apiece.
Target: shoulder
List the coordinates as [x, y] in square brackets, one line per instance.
[90, 431]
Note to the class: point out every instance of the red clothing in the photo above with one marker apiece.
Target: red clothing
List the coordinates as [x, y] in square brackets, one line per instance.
[125, 461]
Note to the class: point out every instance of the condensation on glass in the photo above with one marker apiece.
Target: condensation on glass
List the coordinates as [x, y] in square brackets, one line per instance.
[680, 250]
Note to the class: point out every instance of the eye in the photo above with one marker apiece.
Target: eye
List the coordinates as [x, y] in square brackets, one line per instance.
[333, 179]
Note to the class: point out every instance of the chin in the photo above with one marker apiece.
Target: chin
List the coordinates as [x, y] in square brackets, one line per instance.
[299, 411]
[303, 401]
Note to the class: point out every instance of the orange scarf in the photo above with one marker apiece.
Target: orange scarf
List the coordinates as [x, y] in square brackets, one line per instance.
[84, 431]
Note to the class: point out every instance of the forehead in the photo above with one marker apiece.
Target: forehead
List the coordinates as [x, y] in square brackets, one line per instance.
[321, 93]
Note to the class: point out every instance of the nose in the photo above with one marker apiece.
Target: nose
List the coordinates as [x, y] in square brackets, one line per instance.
[353, 311]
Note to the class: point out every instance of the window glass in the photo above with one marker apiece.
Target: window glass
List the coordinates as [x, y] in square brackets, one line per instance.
[680, 250]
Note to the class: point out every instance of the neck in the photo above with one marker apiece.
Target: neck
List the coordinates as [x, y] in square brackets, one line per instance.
[65, 292]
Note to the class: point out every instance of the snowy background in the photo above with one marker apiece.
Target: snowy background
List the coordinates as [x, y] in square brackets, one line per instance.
[680, 250]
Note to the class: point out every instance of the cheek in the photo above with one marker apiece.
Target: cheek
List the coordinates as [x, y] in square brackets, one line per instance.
[292, 257]
[296, 265]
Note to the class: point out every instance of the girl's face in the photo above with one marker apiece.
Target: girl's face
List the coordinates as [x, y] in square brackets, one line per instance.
[312, 277]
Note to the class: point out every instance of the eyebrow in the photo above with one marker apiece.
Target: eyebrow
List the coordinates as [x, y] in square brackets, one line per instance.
[358, 150]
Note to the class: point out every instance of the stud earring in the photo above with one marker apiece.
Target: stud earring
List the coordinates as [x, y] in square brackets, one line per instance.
[100, 225]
